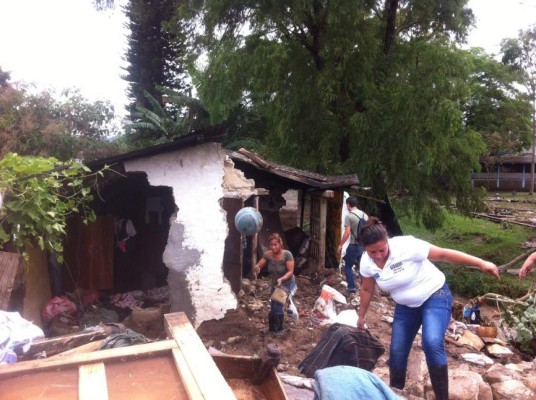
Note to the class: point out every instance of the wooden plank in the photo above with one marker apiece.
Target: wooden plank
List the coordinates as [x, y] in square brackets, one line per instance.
[203, 368]
[92, 382]
[323, 229]
[140, 350]
[85, 348]
[187, 378]
[62, 343]
[254, 242]
[273, 388]
[9, 266]
[254, 157]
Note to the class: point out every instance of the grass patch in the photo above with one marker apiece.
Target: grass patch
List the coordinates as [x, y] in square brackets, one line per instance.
[499, 243]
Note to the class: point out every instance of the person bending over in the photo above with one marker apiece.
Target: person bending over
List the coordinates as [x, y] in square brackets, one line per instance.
[402, 266]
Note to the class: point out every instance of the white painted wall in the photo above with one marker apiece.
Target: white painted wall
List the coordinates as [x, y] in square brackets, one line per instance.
[194, 252]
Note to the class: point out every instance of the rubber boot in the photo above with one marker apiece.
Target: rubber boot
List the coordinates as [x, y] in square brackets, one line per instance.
[273, 323]
[280, 323]
[397, 378]
[439, 376]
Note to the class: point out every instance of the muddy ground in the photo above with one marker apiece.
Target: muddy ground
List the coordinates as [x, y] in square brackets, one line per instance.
[244, 331]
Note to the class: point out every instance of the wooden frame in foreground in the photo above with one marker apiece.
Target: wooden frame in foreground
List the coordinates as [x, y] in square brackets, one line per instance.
[177, 368]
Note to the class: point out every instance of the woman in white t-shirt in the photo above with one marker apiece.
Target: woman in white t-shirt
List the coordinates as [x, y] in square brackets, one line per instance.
[402, 266]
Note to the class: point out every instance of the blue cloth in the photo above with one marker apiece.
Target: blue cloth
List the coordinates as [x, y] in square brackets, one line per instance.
[350, 383]
[352, 257]
[434, 315]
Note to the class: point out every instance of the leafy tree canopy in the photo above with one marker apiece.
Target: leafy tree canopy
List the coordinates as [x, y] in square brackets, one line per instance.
[372, 87]
[497, 108]
[520, 55]
[45, 124]
[37, 195]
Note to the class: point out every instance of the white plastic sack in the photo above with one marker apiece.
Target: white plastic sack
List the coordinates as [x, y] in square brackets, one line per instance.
[324, 311]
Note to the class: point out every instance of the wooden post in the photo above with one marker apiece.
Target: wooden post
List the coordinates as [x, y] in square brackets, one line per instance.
[254, 241]
[322, 238]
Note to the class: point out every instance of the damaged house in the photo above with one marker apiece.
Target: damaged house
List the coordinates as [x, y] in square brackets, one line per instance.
[173, 205]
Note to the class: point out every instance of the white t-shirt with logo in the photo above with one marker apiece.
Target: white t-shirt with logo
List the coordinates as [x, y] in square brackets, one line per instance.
[408, 274]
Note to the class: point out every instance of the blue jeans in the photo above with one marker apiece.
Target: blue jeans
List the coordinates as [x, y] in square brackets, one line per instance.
[352, 257]
[434, 316]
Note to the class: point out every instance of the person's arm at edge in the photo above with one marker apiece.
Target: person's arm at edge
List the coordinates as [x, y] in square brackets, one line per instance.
[527, 266]
[458, 257]
[366, 291]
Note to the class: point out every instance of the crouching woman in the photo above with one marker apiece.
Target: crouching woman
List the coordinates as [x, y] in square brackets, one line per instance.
[402, 266]
[280, 264]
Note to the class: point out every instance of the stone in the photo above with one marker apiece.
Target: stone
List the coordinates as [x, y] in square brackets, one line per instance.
[511, 390]
[497, 373]
[417, 368]
[484, 391]
[464, 385]
[471, 339]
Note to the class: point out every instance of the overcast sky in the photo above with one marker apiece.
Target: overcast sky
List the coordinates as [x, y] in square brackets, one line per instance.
[66, 43]
[499, 19]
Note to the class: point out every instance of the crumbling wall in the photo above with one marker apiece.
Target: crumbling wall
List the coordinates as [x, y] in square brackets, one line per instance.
[194, 252]
[235, 184]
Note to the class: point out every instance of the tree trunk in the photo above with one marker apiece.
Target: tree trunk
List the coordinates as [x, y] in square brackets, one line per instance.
[533, 145]
[391, 8]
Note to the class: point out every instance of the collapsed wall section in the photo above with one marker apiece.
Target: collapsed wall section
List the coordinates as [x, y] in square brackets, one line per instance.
[196, 243]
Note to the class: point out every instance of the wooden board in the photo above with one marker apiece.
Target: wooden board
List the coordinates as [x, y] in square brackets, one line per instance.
[10, 264]
[245, 368]
[206, 374]
[92, 382]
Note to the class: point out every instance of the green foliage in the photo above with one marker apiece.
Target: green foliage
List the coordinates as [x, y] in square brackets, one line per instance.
[348, 87]
[45, 124]
[498, 110]
[499, 243]
[522, 318]
[181, 115]
[38, 195]
[520, 55]
[154, 52]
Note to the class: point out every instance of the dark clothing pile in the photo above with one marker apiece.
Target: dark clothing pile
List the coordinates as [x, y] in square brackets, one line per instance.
[343, 345]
